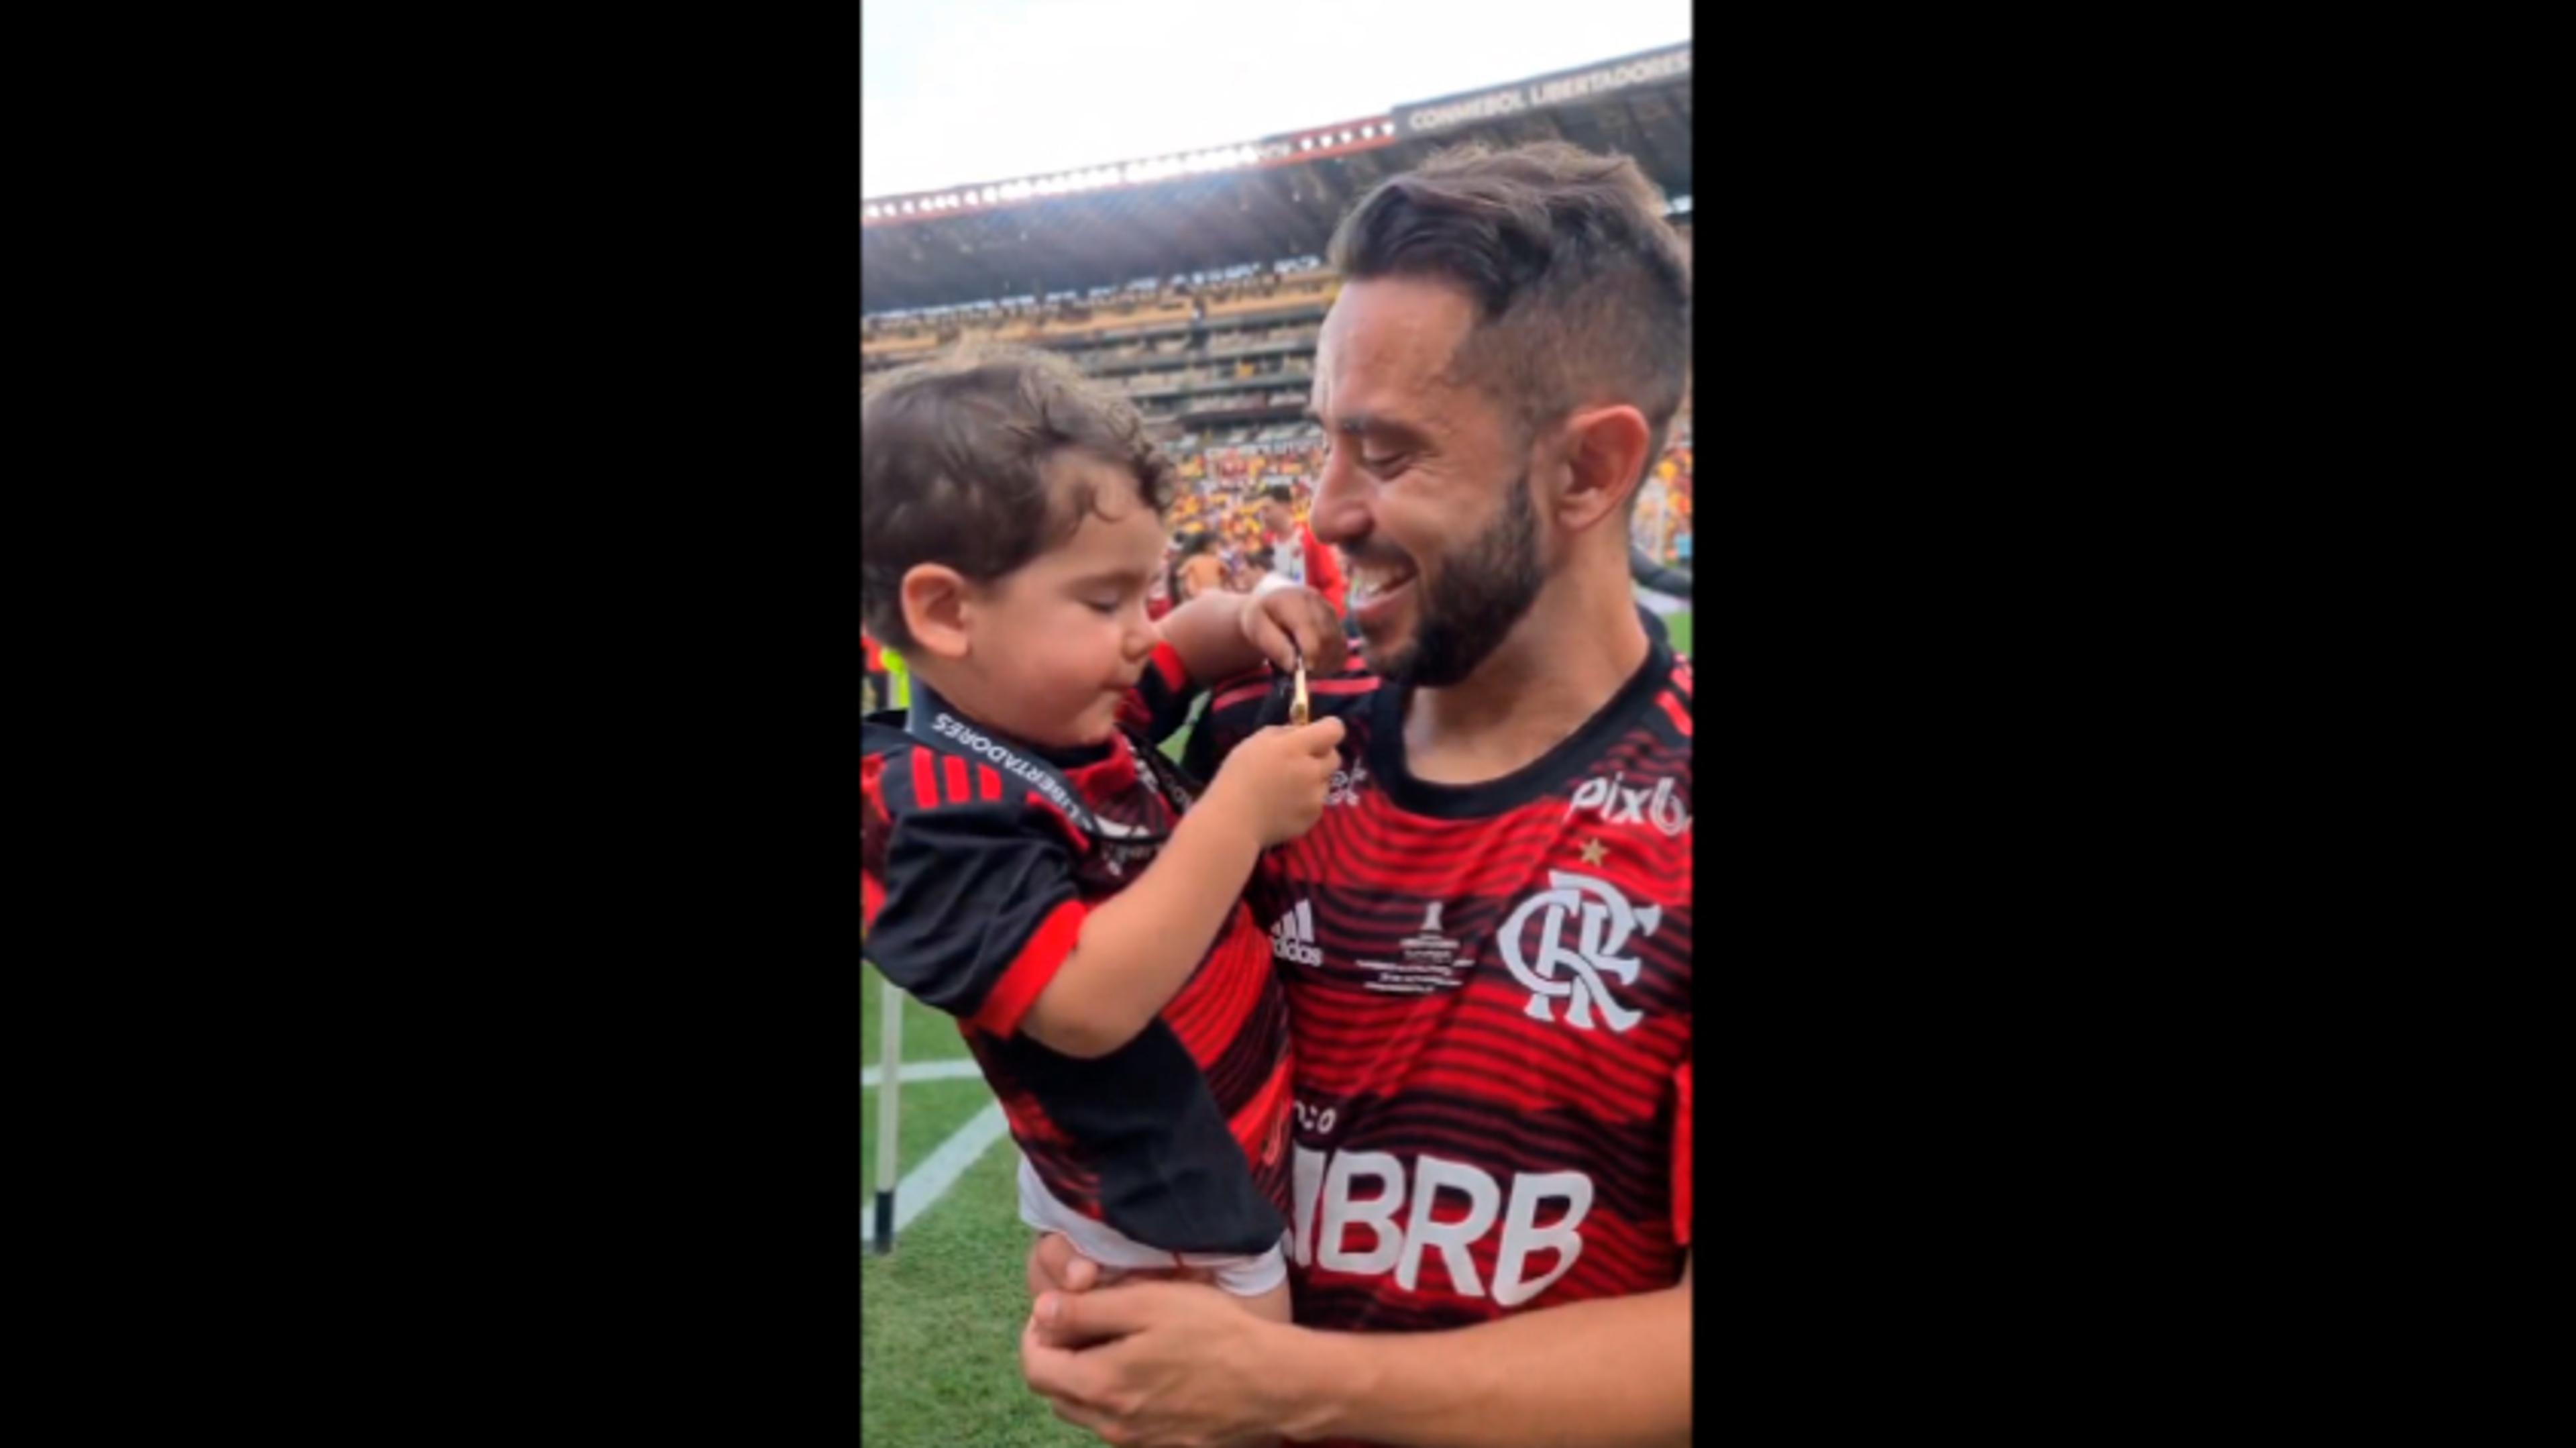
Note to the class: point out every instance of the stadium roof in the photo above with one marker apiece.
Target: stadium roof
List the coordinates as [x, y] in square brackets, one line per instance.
[1264, 200]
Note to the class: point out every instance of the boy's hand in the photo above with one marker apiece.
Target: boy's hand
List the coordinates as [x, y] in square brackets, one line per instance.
[1283, 621]
[1275, 781]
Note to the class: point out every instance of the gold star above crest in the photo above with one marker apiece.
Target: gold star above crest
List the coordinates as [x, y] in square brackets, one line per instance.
[1593, 850]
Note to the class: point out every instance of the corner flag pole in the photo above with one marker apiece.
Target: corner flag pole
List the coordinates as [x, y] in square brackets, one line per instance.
[889, 1065]
[890, 1058]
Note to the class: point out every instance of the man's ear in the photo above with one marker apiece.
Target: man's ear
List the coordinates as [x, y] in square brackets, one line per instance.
[936, 603]
[1605, 458]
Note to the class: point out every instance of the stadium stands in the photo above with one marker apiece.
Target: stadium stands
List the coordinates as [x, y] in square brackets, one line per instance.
[1220, 357]
[1225, 393]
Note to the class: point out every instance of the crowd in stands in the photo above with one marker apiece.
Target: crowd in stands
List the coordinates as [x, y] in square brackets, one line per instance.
[1144, 303]
[1661, 526]
[1177, 299]
[1221, 486]
[1225, 465]
[1248, 339]
[1284, 370]
[1182, 438]
[1220, 492]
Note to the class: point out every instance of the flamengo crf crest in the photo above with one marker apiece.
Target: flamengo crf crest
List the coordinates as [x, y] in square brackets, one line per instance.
[1604, 921]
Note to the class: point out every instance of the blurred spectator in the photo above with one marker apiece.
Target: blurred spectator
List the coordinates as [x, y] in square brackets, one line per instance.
[1158, 595]
[1196, 569]
[1299, 557]
[1254, 567]
[872, 676]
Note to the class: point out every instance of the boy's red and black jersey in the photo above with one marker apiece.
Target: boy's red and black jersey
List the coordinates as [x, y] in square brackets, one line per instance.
[975, 890]
[1489, 988]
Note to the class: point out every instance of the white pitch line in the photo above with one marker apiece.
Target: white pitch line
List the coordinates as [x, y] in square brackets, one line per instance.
[957, 1070]
[931, 1180]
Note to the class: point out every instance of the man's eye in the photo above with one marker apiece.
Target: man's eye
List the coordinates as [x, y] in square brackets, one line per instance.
[1388, 463]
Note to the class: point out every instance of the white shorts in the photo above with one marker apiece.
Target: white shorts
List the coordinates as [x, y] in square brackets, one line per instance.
[1242, 1276]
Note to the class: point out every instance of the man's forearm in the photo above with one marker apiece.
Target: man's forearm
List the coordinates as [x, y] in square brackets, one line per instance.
[1607, 1374]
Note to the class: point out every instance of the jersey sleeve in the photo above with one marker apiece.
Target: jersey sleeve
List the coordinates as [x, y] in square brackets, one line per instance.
[1682, 1156]
[1160, 702]
[975, 909]
[1244, 705]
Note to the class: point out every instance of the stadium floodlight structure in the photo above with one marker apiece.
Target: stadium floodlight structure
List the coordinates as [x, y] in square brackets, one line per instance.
[1123, 175]
[1203, 209]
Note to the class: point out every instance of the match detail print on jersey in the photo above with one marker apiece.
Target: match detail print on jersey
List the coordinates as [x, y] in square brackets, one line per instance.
[1430, 962]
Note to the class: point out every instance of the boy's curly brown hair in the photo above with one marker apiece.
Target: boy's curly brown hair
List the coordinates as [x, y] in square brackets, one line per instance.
[952, 467]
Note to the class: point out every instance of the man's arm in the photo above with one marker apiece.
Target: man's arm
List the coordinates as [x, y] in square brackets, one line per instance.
[1189, 1367]
[1614, 1371]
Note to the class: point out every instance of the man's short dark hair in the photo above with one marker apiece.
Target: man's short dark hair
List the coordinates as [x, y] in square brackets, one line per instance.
[1582, 289]
[952, 468]
[1280, 493]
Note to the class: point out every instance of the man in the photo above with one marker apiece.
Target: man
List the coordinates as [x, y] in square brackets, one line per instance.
[1297, 556]
[1486, 941]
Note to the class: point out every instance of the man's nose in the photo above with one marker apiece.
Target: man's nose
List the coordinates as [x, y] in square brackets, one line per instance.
[1340, 515]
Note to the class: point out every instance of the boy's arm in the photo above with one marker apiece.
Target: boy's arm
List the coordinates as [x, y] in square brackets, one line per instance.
[1219, 635]
[977, 914]
[1207, 632]
[1137, 950]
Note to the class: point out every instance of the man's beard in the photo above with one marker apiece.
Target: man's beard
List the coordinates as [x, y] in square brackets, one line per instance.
[1483, 590]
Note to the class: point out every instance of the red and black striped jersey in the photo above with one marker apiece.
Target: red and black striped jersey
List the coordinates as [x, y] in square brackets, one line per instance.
[1489, 988]
[975, 889]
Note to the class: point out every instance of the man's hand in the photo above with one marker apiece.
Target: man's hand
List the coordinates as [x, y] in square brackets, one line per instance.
[1172, 1364]
[1284, 621]
[1054, 1266]
[1177, 1365]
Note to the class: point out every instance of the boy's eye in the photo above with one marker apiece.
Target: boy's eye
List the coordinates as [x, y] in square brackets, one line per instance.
[1102, 605]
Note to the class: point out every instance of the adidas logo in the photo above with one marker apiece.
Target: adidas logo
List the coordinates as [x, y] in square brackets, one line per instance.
[1292, 937]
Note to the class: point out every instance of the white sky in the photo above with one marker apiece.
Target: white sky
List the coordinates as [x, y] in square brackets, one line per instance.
[958, 91]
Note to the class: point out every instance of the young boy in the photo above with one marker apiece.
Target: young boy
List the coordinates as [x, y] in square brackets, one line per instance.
[1036, 868]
